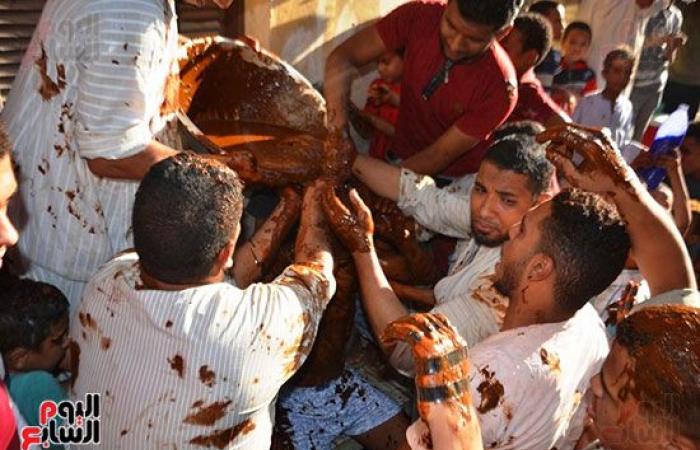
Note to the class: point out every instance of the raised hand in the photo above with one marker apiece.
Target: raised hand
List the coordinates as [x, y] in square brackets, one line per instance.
[441, 361]
[602, 170]
[353, 228]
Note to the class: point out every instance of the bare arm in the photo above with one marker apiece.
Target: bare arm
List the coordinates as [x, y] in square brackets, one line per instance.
[658, 247]
[438, 156]
[381, 177]
[341, 66]
[312, 245]
[134, 167]
[682, 214]
[355, 230]
[254, 257]
[422, 296]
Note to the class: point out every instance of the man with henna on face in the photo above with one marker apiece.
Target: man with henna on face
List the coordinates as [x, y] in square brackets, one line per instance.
[513, 177]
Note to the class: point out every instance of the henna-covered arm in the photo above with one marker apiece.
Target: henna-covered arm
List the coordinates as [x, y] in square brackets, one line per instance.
[442, 380]
[658, 247]
[253, 259]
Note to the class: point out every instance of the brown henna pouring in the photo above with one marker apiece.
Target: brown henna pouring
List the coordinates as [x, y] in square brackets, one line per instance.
[50, 88]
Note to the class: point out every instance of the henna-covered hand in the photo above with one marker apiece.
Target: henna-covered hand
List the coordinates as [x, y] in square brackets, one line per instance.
[441, 361]
[338, 157]
[354, 229]
[603, 169]
[621, 308]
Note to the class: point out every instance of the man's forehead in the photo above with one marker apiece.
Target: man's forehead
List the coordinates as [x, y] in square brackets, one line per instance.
[504, 180]
[615, 366]
[8, 183]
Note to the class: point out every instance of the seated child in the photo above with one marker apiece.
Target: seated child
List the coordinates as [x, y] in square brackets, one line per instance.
[574, 75]
[609, 108]
[381, 111]
[33, 342]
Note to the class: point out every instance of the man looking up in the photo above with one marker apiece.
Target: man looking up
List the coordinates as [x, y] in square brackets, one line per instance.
[458, 84]
[513, 177]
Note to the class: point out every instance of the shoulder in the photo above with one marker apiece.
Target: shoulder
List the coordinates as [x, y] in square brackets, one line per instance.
[497, 60]
[428, 12]
[38, 382]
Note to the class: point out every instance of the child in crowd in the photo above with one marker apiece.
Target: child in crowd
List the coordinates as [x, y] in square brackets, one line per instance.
[690, 152]
[575, 75]
[663, 39]
[381, 111]
[33, 342]
[554, 13]
[609, 108]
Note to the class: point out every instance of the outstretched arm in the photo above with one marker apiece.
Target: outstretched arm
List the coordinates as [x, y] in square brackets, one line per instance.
[657, 244]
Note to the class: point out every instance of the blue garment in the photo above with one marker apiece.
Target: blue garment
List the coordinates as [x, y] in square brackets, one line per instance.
[30, 389]
[548, 68]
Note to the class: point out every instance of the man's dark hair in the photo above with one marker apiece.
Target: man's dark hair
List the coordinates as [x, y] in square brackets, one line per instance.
[5, 145]
[186, 209]
[587, 240]
[580, 26]
[519, 128]
[496, 13]
[623, 52]
[694, 131]
[663, 341]
[543, 7]
[536, 34]
[522, 155]
[28, 310]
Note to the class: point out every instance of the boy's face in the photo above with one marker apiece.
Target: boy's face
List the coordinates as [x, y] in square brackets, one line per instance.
[690, 154]
[52, 349]
[617, 75]
[390, 67]
[555, 16]
[575, 45]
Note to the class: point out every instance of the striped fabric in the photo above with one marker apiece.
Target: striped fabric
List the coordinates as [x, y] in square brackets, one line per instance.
[466, 295]
[215, 359]
[91, 85]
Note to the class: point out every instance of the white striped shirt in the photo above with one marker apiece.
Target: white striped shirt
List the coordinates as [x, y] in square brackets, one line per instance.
[195, 368]
[466, 295]
[91, 85]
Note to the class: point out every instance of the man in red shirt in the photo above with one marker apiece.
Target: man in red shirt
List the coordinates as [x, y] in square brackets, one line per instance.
[527, 44]
[458, 84]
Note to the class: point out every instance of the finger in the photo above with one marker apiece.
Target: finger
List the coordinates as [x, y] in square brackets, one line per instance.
[566, 168]
[358, 204]
[333, 206]
[404, 329]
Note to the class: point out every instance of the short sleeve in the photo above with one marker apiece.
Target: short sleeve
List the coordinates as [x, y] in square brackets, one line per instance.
[395, 28]
[121, 84]
[30, 389]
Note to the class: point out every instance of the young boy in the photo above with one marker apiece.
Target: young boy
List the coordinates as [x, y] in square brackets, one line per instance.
[554, 13]
[381, 111]
[33, 342]
[574, 74]
[608, 108]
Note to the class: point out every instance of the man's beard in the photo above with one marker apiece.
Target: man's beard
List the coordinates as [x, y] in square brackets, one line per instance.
[510, 275]
[486, 241]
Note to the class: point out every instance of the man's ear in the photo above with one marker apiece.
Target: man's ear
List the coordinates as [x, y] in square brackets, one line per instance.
[17, 358]
[532, 57]
[540, 267]
[225, 257]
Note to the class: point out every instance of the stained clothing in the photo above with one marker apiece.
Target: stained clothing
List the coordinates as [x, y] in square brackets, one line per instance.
[466, 295]
[543, 371]
[215, 360]
[91, 85]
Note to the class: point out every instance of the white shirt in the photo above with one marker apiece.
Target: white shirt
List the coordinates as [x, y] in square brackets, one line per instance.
[614, 292]
[544, 371]
[594, 110]
[615, 23]
[160, 358]
[466, 295]
[107, 62]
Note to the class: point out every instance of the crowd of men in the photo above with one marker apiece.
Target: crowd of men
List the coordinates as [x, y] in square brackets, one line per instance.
[559, 308]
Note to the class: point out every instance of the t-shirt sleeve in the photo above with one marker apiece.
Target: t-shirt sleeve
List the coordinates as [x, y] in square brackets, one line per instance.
[118, 74]
[29, 390]
[396, 28]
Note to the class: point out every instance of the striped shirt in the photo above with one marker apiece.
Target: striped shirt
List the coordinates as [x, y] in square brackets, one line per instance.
[195, 368]
[91, 85]
[466, 295]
